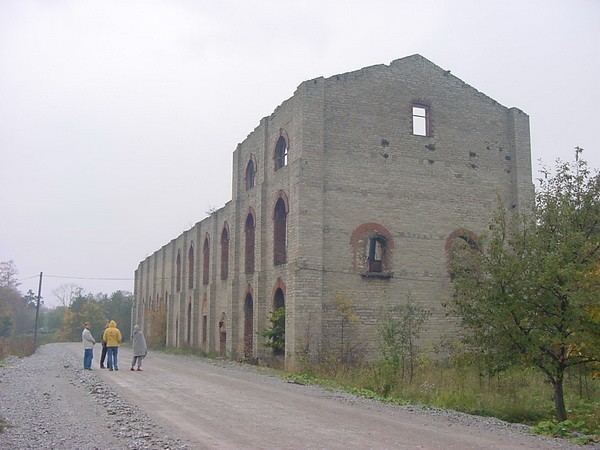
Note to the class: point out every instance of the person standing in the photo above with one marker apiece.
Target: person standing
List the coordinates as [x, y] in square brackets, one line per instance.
[139, 348]
[112, 336]
[88, 346]
[103, 355]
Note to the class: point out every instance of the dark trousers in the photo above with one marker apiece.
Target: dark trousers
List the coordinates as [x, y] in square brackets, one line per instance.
[103, 355]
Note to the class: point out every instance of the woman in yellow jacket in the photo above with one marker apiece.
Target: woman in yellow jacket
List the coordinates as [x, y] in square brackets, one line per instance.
[112, 337]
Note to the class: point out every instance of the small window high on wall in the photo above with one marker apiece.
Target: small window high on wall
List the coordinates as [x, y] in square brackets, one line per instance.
[420, 120]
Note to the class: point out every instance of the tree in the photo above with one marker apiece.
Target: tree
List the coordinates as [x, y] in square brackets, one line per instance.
[8, 275]
[399, 331]
[67, 293]
[529, 294]
[275, 335]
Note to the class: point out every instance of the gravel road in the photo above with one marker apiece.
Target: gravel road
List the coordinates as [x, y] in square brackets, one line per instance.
[188, 402]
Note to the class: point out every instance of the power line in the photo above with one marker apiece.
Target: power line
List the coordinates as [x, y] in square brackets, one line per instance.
[73, 277]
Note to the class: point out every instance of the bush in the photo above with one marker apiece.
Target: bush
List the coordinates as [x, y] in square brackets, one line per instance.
[16, 346]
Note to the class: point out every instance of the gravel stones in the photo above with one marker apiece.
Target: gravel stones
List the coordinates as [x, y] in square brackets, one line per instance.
[47, 401]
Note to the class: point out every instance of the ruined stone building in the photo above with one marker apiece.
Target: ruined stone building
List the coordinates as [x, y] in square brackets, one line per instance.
[346, 198]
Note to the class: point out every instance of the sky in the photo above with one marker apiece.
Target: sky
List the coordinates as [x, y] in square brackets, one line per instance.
[118, 120]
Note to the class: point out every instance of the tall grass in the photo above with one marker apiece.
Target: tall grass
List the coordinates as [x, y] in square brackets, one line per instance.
[16, 346]
[515, 395]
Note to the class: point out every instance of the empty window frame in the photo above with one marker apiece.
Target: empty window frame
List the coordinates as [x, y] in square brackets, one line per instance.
[280, 233]
[224, 254]
[375, 253]
[281, 153]
[250, 175]
[206, 260]
[191, 267]
[250, 231]
[420, 120]
[178, 272]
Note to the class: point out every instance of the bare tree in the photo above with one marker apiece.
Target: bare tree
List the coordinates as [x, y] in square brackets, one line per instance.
[8, 275]
[66, 293]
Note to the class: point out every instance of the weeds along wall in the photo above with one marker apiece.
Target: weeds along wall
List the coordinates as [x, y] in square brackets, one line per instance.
[345, 202]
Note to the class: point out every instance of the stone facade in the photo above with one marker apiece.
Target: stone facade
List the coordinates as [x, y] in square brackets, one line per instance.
[361, 181]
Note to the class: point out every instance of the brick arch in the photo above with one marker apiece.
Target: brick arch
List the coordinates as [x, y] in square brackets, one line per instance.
[249, 241]
[225, 239]
[281, 134]
[279, 284]
[206, 259]
[191, 264]
[361, 238]
[252, 213]
[247, 182]
[369, 229]
[281, 160]
[283, 196]
[248, 313]
[462, 233]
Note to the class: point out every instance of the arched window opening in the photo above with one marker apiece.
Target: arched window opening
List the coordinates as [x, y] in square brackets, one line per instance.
[189, 323]
[248, 326]
[191, 266]
[280, 233]
[178, 272]
[281, 153]
[250, 231]
[223, 335]
[462, 248]
[250, 175]
[224, 254]
[206, 261]
[372, 245]
[278, 322]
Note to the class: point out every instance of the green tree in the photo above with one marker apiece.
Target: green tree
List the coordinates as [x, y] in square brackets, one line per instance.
[528, 294]
[117, 307]
[275, 334]
[399, 331]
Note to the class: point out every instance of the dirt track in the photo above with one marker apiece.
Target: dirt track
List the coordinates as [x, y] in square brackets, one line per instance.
[215, 404]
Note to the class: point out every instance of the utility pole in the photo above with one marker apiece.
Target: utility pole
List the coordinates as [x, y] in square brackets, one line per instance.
[37, 312]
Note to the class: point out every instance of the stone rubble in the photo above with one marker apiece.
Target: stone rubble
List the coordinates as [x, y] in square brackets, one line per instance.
[49, 402]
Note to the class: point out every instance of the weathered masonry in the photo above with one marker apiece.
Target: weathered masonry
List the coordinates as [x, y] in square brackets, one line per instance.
[347, 196]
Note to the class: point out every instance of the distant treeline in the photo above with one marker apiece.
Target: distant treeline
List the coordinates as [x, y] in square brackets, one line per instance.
[63, 323]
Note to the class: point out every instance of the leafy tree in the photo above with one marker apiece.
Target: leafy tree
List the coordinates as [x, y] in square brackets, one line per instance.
[529, 294]
[399, 331]
[117, 307]
[276, 333]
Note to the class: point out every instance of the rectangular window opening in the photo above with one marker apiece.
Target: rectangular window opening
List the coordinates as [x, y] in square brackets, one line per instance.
[420, 120]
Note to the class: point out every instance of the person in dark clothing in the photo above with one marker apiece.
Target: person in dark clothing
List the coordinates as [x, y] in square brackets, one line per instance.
[103, 355]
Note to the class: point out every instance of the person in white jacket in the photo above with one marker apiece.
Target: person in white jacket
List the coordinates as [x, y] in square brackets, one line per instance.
[88, 346]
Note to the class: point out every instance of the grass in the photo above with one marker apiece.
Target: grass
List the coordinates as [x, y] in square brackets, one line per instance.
[3, 425]
[16, 346]
[516, 395]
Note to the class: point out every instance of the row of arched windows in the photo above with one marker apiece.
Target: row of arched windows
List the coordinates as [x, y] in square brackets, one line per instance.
[280, 212]
[280, 159]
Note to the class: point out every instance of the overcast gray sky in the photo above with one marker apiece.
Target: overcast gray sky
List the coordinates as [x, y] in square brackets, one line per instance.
[118, 119]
